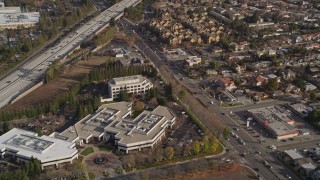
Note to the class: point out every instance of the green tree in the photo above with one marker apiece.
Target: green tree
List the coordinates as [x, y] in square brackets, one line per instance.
[112, 21]
[38, 131]
[168, 90]
[314, 117]
[273, 84]
[226, 132]
[313, 95]
[182, 94]
[5, 127]
[300, 83]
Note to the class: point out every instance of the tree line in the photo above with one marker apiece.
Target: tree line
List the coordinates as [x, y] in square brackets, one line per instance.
[30, 170]
[81, 104]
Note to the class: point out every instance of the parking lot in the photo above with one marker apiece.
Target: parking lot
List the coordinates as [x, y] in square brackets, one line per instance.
[257, 131]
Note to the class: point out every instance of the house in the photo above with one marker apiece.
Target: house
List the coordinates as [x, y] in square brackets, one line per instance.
[258, 96]
[306, 169]
[227, 83]
[277, 93]
[260, 80]
[290, 88]
[273, 76]
[240, 68]
[211, 72]
[309, 87]
[287, 74]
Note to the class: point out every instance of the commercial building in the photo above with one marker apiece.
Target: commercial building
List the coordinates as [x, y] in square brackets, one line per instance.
[132, 84]
[113, 121]
[300, 109]
[276, 120]
[12, 17]
[193, 60]
[119, 52]
[23, 145]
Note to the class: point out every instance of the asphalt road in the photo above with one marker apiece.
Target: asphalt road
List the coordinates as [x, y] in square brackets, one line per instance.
[278, 171]
[29, 73]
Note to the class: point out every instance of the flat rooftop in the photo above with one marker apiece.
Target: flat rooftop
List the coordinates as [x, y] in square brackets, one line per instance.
[19, 18]
[28, 144]
[300, 108]
[91, 125]
[127, 80]
[115, 119]
[276, 118]
[293, 154]
[141, 129]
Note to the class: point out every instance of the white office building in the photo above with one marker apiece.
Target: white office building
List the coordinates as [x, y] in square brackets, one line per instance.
[23, 145]
[113, 121]
[132, 84]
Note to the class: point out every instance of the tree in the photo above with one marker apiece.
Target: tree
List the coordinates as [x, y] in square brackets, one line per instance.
[162, 101]
[123, 95]
[38, 131]
[5, 127]
[112, 21]
[169, 153]
[153, 101]
[182, 93]
[300, 83]
[138, 106]
[237, 82]
[168, 90]
[196, 147]
[313, 95]
[205, 141]
[213, 145]
[273, 84]
[226, 132]
[314, 117]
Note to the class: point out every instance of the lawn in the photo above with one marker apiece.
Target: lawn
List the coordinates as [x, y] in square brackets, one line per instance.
[87, 151]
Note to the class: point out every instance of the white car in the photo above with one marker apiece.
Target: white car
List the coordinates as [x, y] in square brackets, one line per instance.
[273, 147]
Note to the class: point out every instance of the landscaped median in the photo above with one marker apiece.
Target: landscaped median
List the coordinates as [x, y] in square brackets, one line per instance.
[191, 115]
[87, 151]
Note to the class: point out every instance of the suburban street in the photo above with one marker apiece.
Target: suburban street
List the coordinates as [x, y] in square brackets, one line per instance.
[253, 159]
[29, 73]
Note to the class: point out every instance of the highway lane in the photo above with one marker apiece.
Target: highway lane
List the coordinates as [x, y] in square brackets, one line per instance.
[30, 73]
[278, 171]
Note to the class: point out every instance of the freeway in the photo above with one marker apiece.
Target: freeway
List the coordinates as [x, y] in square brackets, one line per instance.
[30, 73]
[253, 159]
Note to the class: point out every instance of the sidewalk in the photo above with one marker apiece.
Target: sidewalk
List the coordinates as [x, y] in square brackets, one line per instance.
[168, 165]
